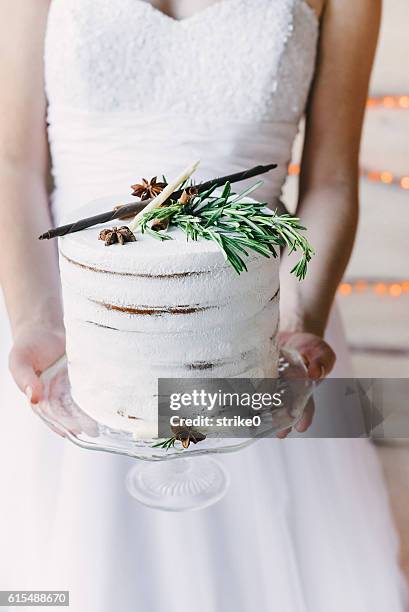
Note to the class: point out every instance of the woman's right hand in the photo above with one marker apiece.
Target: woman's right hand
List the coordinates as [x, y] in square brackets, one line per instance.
[36, 347]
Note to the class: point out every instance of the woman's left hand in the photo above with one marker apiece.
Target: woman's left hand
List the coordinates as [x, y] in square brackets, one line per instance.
[319, 359]
[318, 356]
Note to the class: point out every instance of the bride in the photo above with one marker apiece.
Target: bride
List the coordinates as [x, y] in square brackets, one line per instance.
[124, 89]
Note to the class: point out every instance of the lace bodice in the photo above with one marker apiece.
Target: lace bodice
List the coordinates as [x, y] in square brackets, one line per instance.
[235, 74]
[238, 58]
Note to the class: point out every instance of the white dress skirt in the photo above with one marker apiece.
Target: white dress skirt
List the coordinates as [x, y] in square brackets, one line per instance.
[305, 525]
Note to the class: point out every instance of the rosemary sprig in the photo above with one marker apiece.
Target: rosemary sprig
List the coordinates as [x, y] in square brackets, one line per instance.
[166, 444]
[236, 225]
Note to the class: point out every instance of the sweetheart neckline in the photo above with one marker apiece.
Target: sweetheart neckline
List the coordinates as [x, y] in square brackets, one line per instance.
[213, 7]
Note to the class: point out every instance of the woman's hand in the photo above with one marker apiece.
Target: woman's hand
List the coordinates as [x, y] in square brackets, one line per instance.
[318, 356]
[36, 347]
[319, 359]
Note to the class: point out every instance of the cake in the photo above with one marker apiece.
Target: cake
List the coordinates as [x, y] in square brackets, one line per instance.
[148, 309]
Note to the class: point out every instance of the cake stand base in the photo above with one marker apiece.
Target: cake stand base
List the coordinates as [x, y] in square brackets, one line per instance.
[172, 479]
[177, 486]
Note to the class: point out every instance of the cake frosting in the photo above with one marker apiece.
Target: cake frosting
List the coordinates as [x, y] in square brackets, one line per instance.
[149, 309]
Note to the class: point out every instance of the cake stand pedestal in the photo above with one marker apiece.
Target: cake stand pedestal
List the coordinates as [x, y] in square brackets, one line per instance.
[174, 479]
[183, 485]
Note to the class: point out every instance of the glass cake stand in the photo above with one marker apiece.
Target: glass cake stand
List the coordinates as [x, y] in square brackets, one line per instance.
[174, 479]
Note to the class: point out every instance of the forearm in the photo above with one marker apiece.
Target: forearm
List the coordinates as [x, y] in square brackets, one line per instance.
[28, 267]
[330, 214]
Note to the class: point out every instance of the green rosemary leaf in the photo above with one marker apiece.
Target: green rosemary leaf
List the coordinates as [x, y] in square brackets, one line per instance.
[159, 235]
[214, 218]
[237, 227]
[226, 191]
[247, 192]
[248, 221]
[166, 444]
[206, 194]
[259, 248]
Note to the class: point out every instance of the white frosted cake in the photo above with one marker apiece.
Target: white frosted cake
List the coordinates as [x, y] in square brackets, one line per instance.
[150, 309]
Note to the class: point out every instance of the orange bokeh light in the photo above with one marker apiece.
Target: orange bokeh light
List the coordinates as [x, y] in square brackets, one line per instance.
[293, 169]
[395, 290]
[345, 289]
[374, 176]
[380, 288]
[405, 182]
[389, 101]
[386, 177]
[361, 286]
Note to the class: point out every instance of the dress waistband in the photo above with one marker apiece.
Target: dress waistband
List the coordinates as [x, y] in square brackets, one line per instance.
[97, 154]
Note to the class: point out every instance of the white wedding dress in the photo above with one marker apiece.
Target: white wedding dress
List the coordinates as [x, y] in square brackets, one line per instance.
[305, 526]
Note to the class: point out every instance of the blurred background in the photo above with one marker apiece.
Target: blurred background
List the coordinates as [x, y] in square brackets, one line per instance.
[374, 296]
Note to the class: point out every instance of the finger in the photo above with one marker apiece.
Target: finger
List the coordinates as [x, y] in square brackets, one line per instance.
[316, 369]
[320, 362]
[306, 419]
[25, 377]
[283, 434]
[283, 338]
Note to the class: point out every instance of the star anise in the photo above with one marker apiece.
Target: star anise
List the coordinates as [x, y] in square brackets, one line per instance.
[186, 435]
[148, 189]
[117, 235]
